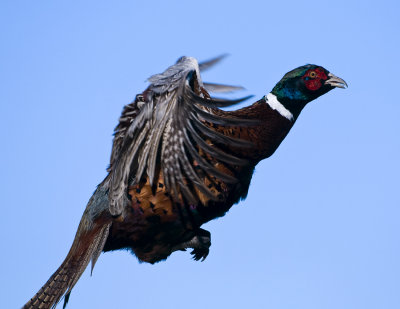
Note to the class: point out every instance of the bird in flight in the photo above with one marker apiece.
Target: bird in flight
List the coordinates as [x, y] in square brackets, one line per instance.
[178, 161]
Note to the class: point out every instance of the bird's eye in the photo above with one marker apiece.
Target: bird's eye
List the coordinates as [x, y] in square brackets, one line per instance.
[312, 74]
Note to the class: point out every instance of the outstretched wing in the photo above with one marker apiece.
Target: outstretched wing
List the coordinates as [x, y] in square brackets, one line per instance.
[170, 127]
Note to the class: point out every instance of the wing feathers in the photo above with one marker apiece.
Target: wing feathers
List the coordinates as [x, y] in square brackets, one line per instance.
[167, 134]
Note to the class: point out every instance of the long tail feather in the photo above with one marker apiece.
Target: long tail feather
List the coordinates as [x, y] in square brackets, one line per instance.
[88, 244]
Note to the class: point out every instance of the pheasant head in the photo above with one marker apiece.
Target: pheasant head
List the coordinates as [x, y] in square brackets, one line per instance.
[302, 85]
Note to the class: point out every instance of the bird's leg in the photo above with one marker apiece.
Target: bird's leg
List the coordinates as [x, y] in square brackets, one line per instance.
[200, 243]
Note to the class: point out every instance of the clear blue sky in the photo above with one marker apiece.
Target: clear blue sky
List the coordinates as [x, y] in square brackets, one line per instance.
[320, 228]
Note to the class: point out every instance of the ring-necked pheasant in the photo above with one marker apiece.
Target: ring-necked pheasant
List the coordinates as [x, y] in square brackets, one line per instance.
[177, 162]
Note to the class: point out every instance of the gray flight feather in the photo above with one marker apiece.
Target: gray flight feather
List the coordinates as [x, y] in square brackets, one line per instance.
[211, 87]
[205, 65]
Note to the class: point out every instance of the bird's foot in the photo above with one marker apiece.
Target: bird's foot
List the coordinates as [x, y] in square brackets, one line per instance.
[200, 244]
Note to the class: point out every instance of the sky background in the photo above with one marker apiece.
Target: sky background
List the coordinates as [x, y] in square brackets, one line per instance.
[320, 227]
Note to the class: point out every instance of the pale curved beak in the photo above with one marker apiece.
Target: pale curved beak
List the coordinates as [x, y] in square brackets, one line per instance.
[335, 81]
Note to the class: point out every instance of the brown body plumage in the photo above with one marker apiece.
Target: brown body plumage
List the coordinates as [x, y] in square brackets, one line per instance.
[177, 162]
[155, 225]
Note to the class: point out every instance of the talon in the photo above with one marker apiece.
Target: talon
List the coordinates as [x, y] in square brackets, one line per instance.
[200, 254]
[200, 244]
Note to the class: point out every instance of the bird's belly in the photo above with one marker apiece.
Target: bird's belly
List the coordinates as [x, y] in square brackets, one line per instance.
[152, 226]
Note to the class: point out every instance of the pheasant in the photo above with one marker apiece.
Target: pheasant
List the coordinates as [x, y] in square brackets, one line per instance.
[177, 162]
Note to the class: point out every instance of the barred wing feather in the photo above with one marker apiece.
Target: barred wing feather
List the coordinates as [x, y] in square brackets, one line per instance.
[166, 134]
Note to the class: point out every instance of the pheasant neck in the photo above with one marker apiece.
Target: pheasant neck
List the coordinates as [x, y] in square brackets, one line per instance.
[275, 122]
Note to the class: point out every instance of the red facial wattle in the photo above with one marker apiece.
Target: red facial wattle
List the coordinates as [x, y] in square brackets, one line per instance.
[313, 78]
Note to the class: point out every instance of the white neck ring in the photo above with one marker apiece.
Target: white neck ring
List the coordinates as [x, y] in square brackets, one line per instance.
[273, 102]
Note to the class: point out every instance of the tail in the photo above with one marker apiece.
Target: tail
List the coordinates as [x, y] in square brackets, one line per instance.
[88, 244]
